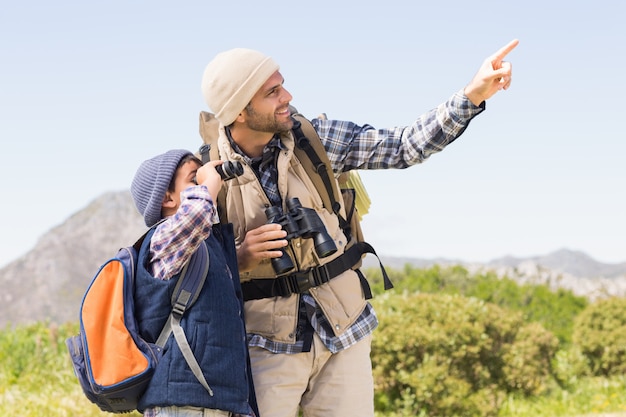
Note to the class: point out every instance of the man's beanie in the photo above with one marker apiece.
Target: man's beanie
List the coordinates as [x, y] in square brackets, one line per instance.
[232, 78]
[151, 181]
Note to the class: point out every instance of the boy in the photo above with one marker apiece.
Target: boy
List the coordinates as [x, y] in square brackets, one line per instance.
[175, 193]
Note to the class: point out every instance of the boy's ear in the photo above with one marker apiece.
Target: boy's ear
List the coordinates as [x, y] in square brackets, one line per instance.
[168, 201]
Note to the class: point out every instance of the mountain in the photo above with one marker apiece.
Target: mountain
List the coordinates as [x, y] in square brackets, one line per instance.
[573, 262]
[49, 281]
[564, 268]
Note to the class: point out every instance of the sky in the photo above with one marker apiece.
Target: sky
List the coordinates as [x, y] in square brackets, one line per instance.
[88, 90]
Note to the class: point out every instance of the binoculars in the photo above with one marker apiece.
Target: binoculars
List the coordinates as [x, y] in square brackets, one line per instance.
[299, 222]
[228, 170]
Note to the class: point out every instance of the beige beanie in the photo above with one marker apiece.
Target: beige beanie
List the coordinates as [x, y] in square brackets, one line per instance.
[232, 78]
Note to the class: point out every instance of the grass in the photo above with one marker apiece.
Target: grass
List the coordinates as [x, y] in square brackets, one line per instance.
[36, 376]
[590, 396]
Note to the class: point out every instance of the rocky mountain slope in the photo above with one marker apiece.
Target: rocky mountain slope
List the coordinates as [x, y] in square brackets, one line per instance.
[49, 281]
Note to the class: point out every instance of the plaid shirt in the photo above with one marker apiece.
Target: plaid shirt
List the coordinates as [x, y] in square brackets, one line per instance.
[350, 146]
[265, 168]
[180, 235]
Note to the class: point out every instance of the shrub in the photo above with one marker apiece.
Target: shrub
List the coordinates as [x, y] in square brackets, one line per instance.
[450, 355]
[600, 332]
[569, 366]
[555, 310]
[527, 361]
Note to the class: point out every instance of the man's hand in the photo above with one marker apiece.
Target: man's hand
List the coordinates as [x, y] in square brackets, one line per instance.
[493, 75]
[259, 244]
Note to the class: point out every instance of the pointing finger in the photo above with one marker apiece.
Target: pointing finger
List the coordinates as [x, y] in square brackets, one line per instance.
[499, 56]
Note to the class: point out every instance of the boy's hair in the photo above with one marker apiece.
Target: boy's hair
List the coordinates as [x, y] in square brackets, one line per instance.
[186, 158]
[152, 180]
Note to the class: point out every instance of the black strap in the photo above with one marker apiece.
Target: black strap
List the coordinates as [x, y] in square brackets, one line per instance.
[321, 168]
[367, 290]
[301, 281]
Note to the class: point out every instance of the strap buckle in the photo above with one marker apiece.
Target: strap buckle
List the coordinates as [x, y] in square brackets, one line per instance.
[313, 277]
[304, 282]
[179, 307]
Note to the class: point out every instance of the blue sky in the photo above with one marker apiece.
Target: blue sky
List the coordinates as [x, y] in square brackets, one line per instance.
[88, 90]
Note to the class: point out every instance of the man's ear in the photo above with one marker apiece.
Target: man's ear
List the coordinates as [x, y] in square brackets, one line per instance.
[241, 117]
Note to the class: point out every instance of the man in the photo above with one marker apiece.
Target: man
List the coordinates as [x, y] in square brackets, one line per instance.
[310, 347]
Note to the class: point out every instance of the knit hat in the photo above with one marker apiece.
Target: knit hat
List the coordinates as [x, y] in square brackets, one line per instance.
[151, 181]
[232, 78]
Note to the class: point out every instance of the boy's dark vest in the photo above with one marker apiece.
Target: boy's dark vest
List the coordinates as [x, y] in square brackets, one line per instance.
[215, 329]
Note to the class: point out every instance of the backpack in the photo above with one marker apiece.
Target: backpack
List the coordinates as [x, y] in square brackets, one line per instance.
[111, 360]
[346, 196]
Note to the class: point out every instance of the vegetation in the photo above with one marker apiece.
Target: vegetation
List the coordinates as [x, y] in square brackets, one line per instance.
[524, 343]
[36, 376]
[555, 310]
[449, 344]
[600, 331]
[448, 355]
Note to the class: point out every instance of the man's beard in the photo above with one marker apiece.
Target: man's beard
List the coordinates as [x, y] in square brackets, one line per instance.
[268, 123]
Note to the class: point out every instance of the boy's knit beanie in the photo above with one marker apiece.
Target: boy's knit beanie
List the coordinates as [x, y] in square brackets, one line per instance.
[151, 181]
[232, 78]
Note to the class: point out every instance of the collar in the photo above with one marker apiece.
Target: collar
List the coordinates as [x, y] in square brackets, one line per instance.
[271, 147]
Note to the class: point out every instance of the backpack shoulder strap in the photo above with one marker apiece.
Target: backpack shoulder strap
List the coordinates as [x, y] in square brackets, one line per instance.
[209, 132]
[312, 154]
[314, 159]
[186, 292]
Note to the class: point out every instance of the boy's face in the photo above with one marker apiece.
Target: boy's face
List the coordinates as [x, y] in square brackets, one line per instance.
[185, 178]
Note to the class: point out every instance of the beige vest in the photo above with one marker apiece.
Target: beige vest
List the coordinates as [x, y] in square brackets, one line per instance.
[341, 299]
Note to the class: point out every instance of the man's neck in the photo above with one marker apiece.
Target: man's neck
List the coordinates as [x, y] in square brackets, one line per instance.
[251, 142]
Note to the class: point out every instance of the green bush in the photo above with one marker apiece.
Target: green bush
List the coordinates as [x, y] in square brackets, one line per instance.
[528, 359]
[436, 355]
[600, 331]
[569, 366]
[555, 310]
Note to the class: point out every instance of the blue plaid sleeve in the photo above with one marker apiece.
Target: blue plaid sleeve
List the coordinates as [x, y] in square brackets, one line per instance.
[350, 146]
[180, 235]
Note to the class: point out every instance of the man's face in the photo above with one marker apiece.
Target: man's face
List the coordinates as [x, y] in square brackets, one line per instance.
[268, 110]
